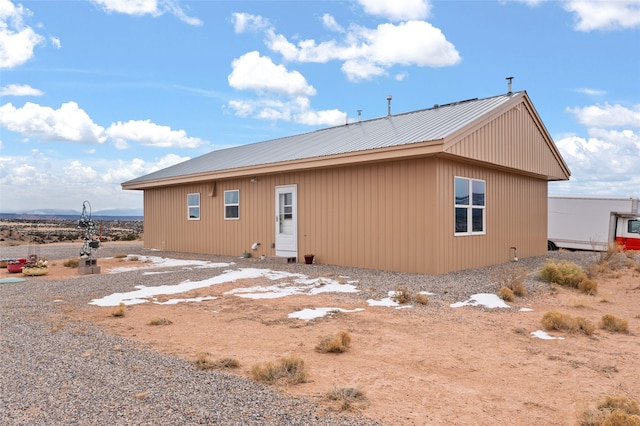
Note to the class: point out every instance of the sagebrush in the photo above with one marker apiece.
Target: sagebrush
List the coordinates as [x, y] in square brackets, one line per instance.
[554, 320]
[337, 343]
[613, 411]
[614, 323]
[290, 370]
[203, 362]
[119, 311]
[347, 397]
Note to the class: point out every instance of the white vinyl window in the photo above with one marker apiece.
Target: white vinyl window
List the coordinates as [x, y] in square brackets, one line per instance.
[232, 204]
[469, 210]
[193, 206]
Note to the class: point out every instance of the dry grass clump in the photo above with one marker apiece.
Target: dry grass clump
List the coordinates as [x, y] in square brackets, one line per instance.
[513, 279]
[421, 299]
[554, 320]
[160, 321]
[564, 273]
[612, 250]
[614, 323]
[506, 294]
[203, 362]
[401, 296]
[588, 286]
[119, 311]
[613, 411]
[569, 274]
[71, 263]
[347, 397]
[338, 343]
[120, 255]
[290, 370]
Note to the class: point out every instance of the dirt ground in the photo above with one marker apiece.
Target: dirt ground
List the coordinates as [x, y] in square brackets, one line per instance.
[416, 366]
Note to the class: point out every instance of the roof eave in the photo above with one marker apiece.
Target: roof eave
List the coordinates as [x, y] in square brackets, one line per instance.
[413, 150]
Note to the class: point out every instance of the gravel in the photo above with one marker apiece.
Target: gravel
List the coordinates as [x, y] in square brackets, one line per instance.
[80, 375]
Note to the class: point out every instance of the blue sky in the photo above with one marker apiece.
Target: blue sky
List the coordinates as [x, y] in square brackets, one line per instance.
[94, 93]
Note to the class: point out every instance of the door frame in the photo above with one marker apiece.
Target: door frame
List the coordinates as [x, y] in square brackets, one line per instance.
[291, 250]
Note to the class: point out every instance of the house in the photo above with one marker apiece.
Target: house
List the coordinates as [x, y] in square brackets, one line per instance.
[456, 186]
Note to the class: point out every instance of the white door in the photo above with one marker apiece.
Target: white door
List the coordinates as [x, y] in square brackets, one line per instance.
[287, 221]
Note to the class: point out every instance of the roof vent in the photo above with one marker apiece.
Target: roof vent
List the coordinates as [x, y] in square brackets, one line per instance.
[388, 105]
[359, 115]
[509, 79]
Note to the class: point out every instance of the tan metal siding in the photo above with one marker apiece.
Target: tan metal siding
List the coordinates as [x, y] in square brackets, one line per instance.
[384, 216]
[513, 140]
[515, 217]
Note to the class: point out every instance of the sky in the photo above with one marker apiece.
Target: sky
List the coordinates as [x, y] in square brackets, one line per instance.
[94, 93]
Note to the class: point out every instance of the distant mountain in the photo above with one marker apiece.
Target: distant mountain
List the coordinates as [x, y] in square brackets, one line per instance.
[118, 212]
[134, 213]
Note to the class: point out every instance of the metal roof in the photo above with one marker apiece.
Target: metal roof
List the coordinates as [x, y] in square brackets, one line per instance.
[394, 130]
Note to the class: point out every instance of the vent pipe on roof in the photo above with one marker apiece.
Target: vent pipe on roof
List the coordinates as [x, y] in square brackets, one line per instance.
[389, 105]
[359, 115]
[509, 79]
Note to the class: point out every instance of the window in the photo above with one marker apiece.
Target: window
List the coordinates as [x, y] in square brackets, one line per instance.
[469, 206]
[232, 204]
[633, 227]
[193, 206]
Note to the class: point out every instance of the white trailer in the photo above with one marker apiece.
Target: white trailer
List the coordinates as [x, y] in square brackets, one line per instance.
[593, 223]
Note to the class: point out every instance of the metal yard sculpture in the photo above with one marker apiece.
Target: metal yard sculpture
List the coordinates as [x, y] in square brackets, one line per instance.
[88, 264]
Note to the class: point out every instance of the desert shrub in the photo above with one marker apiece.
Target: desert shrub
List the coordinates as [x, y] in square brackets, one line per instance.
[506, 294]
[612, 249]
[421, 299]
[338, 343]
[613, 411]
[71, 263]
[290, 370]
[401, 296]
[119, 311]
[513, 278]
[120, 255]
[519, 289]
[588, 286]
[203, 362]
[160, 321]
[564, 273]
[554, 320]
[614, 323]
[348, 397]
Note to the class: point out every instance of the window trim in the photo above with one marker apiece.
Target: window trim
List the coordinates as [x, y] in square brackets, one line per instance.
[231, 204]
[470, 207]
[194, 206]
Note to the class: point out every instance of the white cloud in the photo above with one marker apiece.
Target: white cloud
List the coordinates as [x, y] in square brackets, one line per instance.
[17, 41]
[150, 134]
[397, 10]
[330, 23]
[34, 180]
[72, 124]
[368, 53]
[68, 123]
[297, 110]
[254, 72]
[604, 15]
[19, 90]
[608, 115]
[55, 41]
[591, 92]
[243, 22]
[605, 162]
[152, 8]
